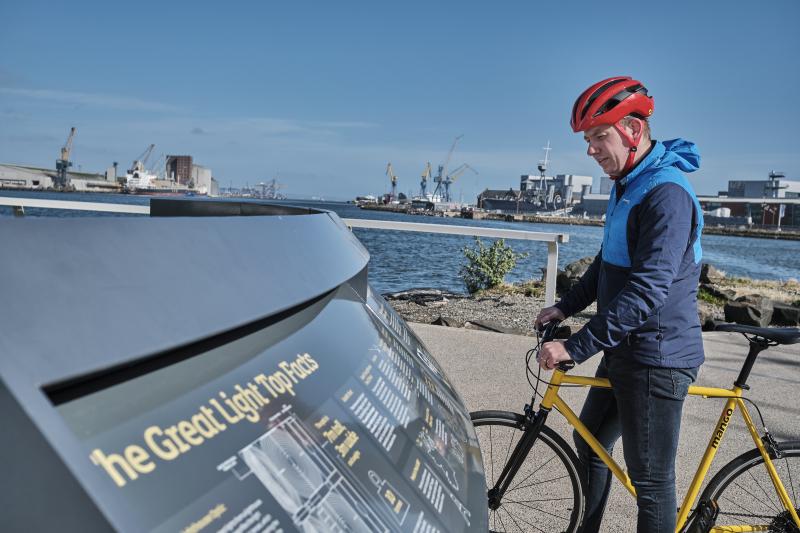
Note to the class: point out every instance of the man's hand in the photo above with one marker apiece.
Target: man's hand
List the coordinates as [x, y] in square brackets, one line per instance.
[547, 314]
[552, 353]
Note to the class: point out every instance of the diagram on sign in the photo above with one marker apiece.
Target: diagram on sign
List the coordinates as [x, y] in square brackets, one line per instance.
[305, 481]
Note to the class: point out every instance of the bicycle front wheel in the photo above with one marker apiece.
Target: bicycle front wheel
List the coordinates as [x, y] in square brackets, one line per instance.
[547, 492]
[746, 496]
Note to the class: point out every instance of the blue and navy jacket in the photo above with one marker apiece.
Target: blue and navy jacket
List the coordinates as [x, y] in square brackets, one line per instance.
[645, 277]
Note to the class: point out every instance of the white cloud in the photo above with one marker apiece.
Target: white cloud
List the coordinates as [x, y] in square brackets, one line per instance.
[105, 101]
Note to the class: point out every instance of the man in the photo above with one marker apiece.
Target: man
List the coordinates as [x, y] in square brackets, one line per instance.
[645, 283]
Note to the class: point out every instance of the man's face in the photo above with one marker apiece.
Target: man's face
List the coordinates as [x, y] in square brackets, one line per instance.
[607, 147]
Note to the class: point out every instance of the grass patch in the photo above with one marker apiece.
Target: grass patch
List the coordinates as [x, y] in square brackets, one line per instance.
[707, 297]
[534, 289]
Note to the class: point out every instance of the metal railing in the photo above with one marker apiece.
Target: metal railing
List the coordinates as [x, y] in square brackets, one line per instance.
[552, 239]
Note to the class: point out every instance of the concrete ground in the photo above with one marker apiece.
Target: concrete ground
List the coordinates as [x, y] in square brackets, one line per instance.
[488, 370]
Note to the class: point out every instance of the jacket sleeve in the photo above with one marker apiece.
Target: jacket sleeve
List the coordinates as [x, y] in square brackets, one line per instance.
[665, 227]
[584, 292]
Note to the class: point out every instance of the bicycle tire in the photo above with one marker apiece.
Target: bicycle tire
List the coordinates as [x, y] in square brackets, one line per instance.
[744, 493]
[548, 492]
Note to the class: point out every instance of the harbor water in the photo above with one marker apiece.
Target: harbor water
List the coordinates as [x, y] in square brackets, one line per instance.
[403, 260]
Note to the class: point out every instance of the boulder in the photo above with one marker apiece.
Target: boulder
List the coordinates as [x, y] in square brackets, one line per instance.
[489, 325]
[709, 274]
[422, 296]
[785, 315]
[571, 274]
[749, 314]
[756, 300]
[707, 315]
[716, 292]
[447, 321]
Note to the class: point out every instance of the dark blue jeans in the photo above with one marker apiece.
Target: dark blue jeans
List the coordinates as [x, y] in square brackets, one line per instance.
[645, 409]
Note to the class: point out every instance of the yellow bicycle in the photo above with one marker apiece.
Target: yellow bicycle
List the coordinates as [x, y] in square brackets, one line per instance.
[535, 483]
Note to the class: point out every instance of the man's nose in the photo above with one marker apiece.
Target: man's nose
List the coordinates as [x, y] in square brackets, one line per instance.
[591, 150]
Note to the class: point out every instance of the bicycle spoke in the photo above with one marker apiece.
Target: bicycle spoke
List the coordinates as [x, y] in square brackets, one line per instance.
[508, 451]
[750, 493]
[521, 520]
[537, 509]
[791, 483]
[752, 513]
[532, 473]
[538, 483]
[763, 490]
[539, 500]
[491, 454]
[541, 479]
[500, 518]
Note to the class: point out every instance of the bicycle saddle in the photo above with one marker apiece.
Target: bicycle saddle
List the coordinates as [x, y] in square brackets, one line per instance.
[779, 335]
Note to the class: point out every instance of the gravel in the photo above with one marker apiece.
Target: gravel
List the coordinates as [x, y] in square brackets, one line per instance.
[509, 313]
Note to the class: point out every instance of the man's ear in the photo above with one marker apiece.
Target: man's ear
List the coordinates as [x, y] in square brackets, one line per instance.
[635, 126]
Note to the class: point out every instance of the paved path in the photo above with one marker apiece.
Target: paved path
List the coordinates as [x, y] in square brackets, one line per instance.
[488, 371]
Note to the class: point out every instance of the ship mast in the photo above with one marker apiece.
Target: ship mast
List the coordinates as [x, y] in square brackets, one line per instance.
[543, 165]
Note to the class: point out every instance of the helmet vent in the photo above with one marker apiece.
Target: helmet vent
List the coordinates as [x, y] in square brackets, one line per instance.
[597, 93]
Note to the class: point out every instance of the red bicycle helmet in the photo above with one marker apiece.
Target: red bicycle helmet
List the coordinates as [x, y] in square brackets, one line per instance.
[608, 102]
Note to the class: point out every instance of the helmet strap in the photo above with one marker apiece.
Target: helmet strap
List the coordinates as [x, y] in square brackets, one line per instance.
[633, 142]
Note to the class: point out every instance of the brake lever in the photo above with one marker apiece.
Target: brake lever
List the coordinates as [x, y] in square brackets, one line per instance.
[548, 331]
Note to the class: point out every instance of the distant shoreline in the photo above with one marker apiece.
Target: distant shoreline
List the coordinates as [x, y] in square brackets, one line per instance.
[788, 234]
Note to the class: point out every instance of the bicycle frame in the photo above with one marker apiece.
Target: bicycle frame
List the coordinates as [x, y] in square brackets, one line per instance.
[734, 395]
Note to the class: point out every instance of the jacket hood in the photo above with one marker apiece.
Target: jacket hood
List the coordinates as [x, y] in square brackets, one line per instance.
[680, 153]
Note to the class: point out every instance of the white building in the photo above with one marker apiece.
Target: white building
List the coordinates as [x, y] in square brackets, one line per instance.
[204, 183]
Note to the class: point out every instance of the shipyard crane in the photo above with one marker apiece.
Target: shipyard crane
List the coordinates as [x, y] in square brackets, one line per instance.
[423, 185]
[269, 190]
[451, 178]
[141, 161]
[393, 179]
[442, 172]
[154, 168]
[62, 164]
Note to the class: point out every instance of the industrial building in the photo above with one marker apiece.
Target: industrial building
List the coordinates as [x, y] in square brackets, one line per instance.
[35, 178]
[537, 193]
[179, 168]
[203, 182]
[771, 202]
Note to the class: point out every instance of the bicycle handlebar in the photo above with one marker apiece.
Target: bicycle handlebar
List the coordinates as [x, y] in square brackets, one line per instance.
[549, 332]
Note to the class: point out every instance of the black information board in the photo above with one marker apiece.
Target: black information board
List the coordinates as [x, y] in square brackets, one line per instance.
[336, 418]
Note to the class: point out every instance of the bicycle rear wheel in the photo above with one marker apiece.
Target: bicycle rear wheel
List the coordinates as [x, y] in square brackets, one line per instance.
[547, 493]
[745, 495]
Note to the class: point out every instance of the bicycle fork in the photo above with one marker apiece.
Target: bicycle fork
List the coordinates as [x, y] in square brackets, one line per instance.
[531, 426]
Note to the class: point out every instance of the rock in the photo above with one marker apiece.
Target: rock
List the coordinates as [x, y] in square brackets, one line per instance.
[709, 274]
[448, 322]
[422, 296]
[707, 315]
[571, 274]
[723, 294]
[756, 300]
[489, 325]
[785, 315]
[748, 313]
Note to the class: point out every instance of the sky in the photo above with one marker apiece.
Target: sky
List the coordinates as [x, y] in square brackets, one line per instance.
[322, 95]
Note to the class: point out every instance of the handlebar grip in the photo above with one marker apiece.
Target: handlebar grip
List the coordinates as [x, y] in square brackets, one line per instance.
[566, 366]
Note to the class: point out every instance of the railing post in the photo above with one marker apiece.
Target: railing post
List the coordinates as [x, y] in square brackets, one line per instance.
[551, 274]
[19, 211]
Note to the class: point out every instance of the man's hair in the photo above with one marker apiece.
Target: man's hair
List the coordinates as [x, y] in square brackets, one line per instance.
[645, 125]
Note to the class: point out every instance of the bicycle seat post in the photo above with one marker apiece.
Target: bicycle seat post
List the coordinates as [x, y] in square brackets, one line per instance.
[757, 345]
